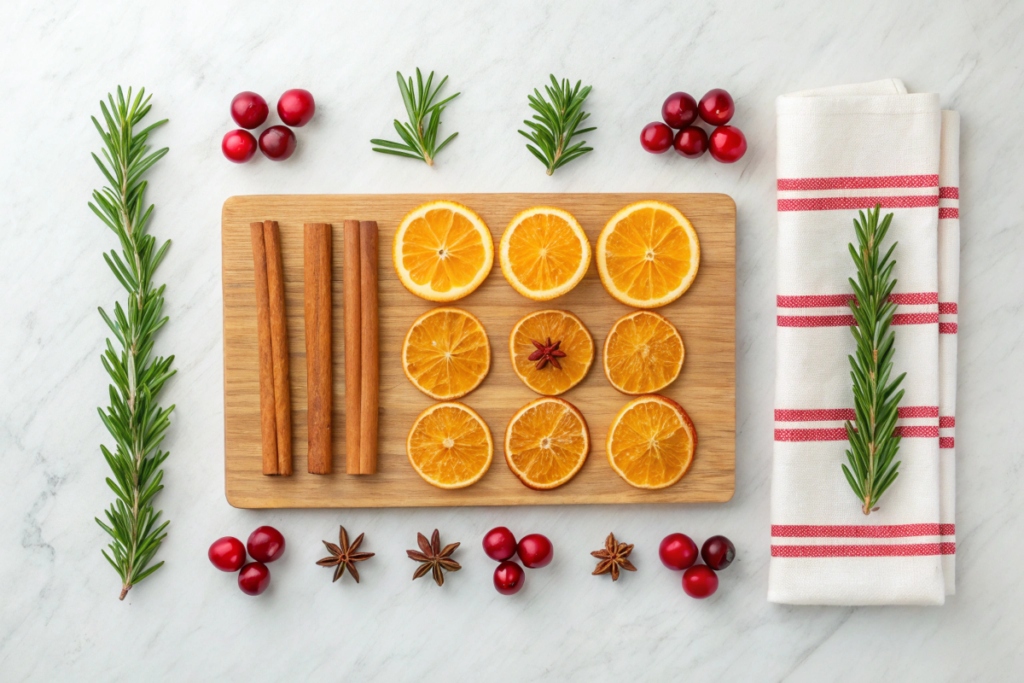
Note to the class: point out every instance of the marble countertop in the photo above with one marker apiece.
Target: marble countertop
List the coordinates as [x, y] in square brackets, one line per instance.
[60, 613]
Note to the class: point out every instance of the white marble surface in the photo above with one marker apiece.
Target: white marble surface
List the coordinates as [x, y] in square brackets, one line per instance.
[60, 613]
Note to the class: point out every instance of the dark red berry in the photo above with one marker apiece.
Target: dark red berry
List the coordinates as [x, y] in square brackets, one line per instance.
[254, 578]
[499, 544]
[535, 551]
[727, 144]
[656, 137]
[296, 107]
[700, 581]
[679, 110]
[691, 142]
[227, 554]
[509, 578]
[249, 110]
[716, 107]
[718, 552]
[678, 551]
[238, 146]
[266, 544]
[277, 142]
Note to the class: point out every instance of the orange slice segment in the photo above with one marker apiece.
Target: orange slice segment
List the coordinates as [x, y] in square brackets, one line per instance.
[643, 353]
[450, 445]
[544, 253]
[442, 251]
[651, 442]
[648, 254]
[573, 340]
[546, 443]
[446, 353]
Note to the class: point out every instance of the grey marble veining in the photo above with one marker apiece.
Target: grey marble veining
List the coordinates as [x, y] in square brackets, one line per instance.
[59, 610]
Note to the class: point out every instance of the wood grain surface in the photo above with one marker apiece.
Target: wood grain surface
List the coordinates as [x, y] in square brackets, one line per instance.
[705, 316]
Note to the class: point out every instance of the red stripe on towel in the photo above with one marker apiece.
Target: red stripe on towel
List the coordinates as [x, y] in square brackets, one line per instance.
[947, 328]
[949, 193]
[828, 414]
[846, 203]
[831, 300]
[946, 442]
[918, 431]
[945, 212]
[848, 320]
[947, 308]
[839, 433]
[858, 182]
[947, 422]
[900, 550]
[860, 530]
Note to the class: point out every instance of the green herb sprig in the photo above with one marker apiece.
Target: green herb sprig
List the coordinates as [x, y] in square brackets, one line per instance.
[555, 124]
[420, 134]
[874, 442]
[133, 418]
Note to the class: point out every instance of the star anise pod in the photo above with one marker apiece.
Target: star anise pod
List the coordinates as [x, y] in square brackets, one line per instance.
[547, 353]
[344, 556]
[433, 558]
[613, 557]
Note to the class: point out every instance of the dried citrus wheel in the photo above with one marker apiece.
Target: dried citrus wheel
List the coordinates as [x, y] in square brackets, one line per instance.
[449, 445]
[647, 254]
[546, 443]
[651, 442]
[446, 354]
[442, 251]
[544, 253]
[643, 353]
[551, 351]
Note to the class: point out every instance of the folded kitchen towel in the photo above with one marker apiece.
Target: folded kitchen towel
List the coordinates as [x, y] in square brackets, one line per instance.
[841, 150]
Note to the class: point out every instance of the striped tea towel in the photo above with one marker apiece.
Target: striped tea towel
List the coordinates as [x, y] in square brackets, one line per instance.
[840, 150]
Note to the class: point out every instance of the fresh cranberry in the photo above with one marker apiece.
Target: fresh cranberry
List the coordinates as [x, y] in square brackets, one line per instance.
[718, 552]
[277, 142]
[656, 137]
[700, 581]
[691, 142]
[249, 110]
[727, 144]
[296, 107]
[499, 544]
[227, 554]
[238, 145]
[509, 578]
[716, 107]
[679, 110]
[266, 544]
[254, 578]
[535, 551]
[678, 551]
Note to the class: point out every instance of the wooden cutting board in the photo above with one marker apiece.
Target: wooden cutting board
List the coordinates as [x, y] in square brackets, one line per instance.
[705, 316]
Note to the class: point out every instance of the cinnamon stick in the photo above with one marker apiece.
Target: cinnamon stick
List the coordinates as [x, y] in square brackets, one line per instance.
[268, 417]
[353, 354]
[317, 266]
[279, 347]
[370, 375]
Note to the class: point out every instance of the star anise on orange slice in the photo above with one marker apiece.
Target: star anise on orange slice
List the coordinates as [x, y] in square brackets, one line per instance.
[433, 558]
[344, 555]
[614, 556]
[547, 353]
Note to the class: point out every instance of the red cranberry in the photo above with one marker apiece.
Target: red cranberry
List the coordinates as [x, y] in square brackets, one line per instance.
[678, 551]
[227, 554]
[700, 581]
[718, 552]
[277, 142]
[238, 145]
[716, 107]
[535, 551]
[679, 110]
[656, 137]
[499, 544]
[266, 544]
[509, 578]
[254, 578]
[296, 107]
[727, 144]
[691, 142]
[249, 110]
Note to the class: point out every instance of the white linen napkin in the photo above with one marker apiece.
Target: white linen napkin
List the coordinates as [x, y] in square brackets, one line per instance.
[840, 150]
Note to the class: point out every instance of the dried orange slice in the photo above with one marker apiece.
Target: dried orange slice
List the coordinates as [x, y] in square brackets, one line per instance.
[546, 443]
[446, 353]
[651, 442]
[551, 351]
[450, 445]
[648, 254]
[442, 251]
[643, 353]
[544, 253]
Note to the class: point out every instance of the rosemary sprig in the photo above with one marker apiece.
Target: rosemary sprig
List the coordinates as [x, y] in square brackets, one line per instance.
[874, 442]
[420, 134]
[133, 418]
[555, 124]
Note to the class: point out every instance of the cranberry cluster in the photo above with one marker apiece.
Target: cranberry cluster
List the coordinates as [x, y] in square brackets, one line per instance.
[680, 111]
[679, 552]
[227, 554]
[534, 550]
[249, 110]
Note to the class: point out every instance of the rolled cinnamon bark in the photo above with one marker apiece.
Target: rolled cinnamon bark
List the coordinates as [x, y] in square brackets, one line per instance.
[317, 266]
[268, 417]
[370, 375]
[353, 354]
[279, 347]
